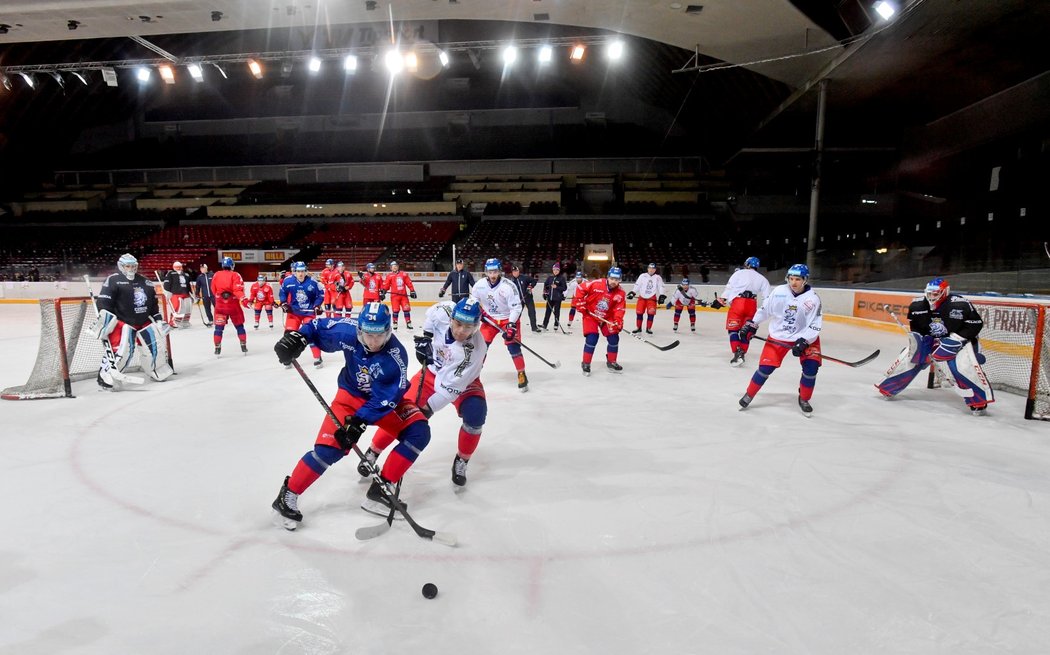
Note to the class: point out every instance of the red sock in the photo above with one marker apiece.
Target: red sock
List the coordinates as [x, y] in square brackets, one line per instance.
[587, 356]
[316, 351]
[217, 338]
[519, 363]
[468, 443]
[805, 393]
[302, 477]
[381, 439]
[395, 467]
[753, 388]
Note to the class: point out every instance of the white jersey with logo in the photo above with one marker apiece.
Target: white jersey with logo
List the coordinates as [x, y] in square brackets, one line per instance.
[687, 296]
[500, 301]
[570, 290]
[456, 364]
[791, 317]
[746, 279]
[649, 286]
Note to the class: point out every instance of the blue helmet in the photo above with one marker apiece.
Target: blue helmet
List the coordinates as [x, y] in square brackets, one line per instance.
[261, 278]
[328, 262]
[651, 265]
[370, 266]
[615, 273]
[799, 270]
[579, 275]
[467, 310]
[684, 282]
[373, 319]
[227, 263]
[493, 265]
[751, 262]
[299, 266]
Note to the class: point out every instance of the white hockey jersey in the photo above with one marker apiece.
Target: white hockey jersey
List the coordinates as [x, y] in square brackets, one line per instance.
[500, 301]
[791, 317]
[746, 279]
[686, 297]
[649, 286]
[456, 364]
[570, 290]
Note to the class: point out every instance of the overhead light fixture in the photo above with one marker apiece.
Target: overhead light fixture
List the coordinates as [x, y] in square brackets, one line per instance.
[545, 55]
[167, 74]
[6, 81]
[394, 62]
[286, 68]
[614, 50]
[110, 76]
[57, 77]
[221, 71]
[885, 9]
[577, 53]
[28, 77]
[80, 76]
[443, 58]
[510, 55]
[350, 63]
[196, 72]
[315, 65]
[255, 68]
[143, 74]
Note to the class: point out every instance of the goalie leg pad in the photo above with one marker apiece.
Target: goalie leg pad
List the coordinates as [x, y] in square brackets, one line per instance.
[913, 360]
[185, 306]
[970, 381]
[103, 325]
[154, 354]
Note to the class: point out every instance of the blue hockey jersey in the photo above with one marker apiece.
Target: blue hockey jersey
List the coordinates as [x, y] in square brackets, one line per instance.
[303, 297]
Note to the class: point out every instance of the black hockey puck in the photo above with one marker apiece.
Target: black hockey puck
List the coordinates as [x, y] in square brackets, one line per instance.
[430, 590]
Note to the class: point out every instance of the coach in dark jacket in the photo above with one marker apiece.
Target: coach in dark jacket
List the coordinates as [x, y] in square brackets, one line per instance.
[525, 284]
[460, 281]
[554, 293]
[203, 292]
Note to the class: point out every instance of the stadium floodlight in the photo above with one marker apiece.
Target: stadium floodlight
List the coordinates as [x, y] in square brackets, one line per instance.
[614, 50]
[143, 74]
[885, 9]
[196, 72]
[80, 76]
[315, 64]
[411, 61]
[394, 62]
[546, 54]
[28, 77]
[221, 71]
[167, 74]
[57, 77]
[510, 55]
[350, 63]
[577, 53]
[5, 81]
[109, 75]
[443, 58]
[255, 68]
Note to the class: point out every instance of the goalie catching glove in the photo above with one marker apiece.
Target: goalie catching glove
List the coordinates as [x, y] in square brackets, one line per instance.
[289, 347]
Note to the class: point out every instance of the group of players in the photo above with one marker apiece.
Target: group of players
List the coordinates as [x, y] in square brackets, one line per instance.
[374, 385]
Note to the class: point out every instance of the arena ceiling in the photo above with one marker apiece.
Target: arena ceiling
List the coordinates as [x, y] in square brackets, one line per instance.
[750, 63]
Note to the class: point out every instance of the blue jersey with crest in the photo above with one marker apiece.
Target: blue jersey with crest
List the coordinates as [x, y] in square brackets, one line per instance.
[303, 297]
[380, 378]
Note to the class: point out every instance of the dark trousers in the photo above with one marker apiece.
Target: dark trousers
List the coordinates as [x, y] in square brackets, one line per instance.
[531, 307]
[556, 308]
[208, 302]
[456, 297]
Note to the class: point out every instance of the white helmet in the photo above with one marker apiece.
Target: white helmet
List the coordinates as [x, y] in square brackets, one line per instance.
[177, 266]
[128, 265]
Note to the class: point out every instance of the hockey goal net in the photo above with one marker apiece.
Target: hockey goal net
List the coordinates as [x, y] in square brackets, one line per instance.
[1016, 343]
[67, 351]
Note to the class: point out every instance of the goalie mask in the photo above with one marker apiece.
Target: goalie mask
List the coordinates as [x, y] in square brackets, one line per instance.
[128, 265]
[937, 291]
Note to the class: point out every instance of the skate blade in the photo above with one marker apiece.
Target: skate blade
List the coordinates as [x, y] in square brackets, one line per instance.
[282, 521]
[379, 509]
[458, 489]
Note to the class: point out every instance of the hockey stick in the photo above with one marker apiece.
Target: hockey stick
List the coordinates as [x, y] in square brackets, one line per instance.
[673, 344]
[556, 316]
[555, 364]
[116, 375]
[859, 362]
[445, 538]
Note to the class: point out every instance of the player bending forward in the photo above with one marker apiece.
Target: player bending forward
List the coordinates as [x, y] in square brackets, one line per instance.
[452, 352]
[501, 311]
[228, 289]
[944, 329]
[128, 315]
[685, 297]
[794, 326]
[372, 388]
[261, 296]
[741, 296]
[602, 303]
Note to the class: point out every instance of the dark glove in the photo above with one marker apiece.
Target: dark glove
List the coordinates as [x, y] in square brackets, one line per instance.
[799, 347]
[631, 295]
[716, 305]
[745, 333]
[286, 308]
[703, 303]
[510, 332]
[349, 434]
[424, 352]
[382, 296]
[938, 330]
[226, 295]
[661, 300]
[340, 287]
[319, 310]
[289, 347]
[412, 295]
[427, 412]
[546, 295]
[669, 305]
[441, 294]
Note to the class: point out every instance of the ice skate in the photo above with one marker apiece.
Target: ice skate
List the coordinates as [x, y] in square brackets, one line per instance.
[103, 384]
[459, 471]
[523, 381]
[377, 502]
[256, 326]
[692, 328]
[318, 363]
[738, 358]
[978, 410]
[807, 409]
[218, 350]
[244, 348]
[365, 467]
[408, 325]
[648, 331]
[675, 328]
[744, 401]
[286, 512]
[614, 367]
[636, 331]
[586, 368]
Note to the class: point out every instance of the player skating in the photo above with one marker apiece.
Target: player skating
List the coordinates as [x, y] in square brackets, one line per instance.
[501, 304]
[741, 296]
[372, 387]
[323, 279]
[339, 283]
[649, 288]
[372, 283]
[944, 329]
[452, 352]
[261, 296]
[570, 293]
[794, 326]
[301, 299]
[602, 303]
[228, 289]
[177, 289]
[399, 285]
[685, 297]
[128, 316]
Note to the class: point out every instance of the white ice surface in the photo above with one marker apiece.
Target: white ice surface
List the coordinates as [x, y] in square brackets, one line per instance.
[634, 513]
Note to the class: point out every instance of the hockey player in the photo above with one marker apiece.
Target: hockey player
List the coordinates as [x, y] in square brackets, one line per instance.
[228, 289]
[452, 351]
[399, 285]
[261, 296]
[570, 293]
[741, 296]
[602, 303]
[301, 299]
[795, 322]
[372, 282]
[128, 315]
[649, 288]
[684, 297]
[459, 280]
[944, 329]
[372, 388]
[554, 288]
[339, 283]
[323, 279]
[501, 308]
[177, 289]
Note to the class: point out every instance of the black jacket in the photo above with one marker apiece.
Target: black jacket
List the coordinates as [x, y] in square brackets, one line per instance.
[204, 284]
[554, 288]
[524, 283]
[132, 301]
[460, 283]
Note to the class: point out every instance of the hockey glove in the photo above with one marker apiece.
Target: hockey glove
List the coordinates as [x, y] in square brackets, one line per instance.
[799, 348]
[412, 295]
[715, 304]
[340, 287]
[938, 330]
[162, 327]
[424, 353]
[286, 308]
[669, 305]
[382, 296]
[289, 347]
[427, 412]
[631, 295]
[661, 300]
[319, 310]
[510, 332]
[246, 302]
[441, 294]
[349, 434]
[745, 333]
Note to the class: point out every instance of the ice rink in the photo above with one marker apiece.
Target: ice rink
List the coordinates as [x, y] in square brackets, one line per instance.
[616, 514]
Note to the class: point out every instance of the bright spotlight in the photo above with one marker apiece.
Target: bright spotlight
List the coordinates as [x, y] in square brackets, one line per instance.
[411, 61]
[196, 72]
[80, 76]
[577, 53]
[510, 55]
[885, 9]
[315, 65]
[29, 80]
[443, 58]
[350, 63]
[222, 71]
[6, 81]
[167, 74]
[255, 68]
[394, 62]
[143, 75]
[546, 54]
[615, 50]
